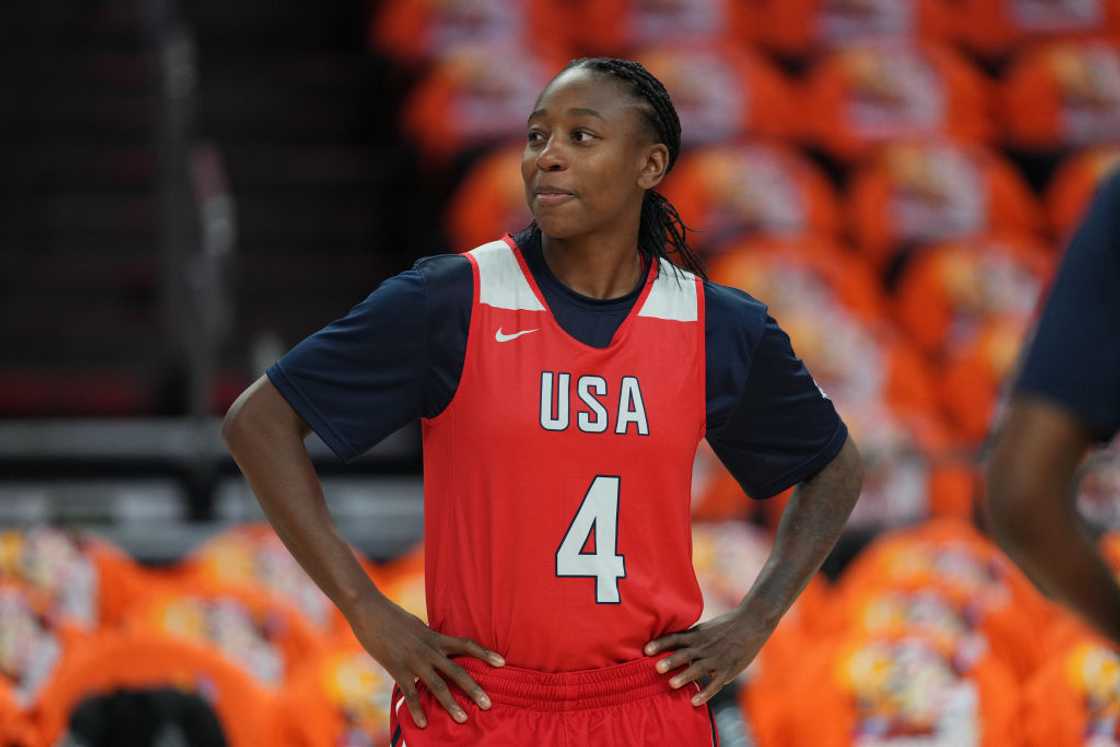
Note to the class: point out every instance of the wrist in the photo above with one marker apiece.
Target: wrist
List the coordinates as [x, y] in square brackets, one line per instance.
[758, 611]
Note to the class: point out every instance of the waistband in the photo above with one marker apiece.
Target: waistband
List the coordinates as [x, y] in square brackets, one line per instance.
[569, 691]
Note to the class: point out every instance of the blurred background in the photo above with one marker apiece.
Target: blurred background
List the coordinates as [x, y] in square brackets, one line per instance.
[194, 187]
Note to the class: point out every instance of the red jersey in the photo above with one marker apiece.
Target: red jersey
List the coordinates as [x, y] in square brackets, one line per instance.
[557, 481]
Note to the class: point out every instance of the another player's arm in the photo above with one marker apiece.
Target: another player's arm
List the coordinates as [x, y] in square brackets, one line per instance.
[721, 648]
[265, 435]
[1031, 505]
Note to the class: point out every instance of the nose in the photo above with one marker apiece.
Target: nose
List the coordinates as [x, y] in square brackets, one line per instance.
[551, 158]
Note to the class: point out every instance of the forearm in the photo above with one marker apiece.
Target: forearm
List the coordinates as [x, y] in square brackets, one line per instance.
[276, 464]
[1063, 562]
[808, 530]
[1032, 511]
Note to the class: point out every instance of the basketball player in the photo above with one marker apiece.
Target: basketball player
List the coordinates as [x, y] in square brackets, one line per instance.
[1066, 399]
[564, 377]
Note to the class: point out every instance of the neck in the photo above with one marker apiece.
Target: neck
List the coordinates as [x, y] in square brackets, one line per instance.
[600, 267]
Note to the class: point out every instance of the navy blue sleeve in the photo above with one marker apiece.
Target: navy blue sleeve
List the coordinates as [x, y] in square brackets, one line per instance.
[394, 357]
[768, 421]
[1074, 358]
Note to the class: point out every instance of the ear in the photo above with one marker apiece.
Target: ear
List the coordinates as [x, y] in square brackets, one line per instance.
[654, 164]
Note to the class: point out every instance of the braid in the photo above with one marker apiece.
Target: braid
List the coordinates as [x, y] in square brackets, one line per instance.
[661, 232]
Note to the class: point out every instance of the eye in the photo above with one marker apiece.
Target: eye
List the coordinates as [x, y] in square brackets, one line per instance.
[587, 136]
[535, 136]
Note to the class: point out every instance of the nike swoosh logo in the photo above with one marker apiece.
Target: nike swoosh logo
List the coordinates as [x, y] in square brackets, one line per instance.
[506, 338]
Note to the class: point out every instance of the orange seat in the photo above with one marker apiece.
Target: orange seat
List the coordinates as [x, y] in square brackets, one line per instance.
[1063, 94]
[85, 581]
[1075, 698]
[252, 557]
[729, 190]
[911, 469]
[264, 637]
[722, 92]
[16, 727]
[974, 374]
[947, 293]
[618, 27]
[339, 697]
[868, 94]
[994, 27]
[111, 661]
[1073, 185]
[414, 31]
[475, 96]
[907, 689]
[490, 201]
[918, 192]
[798, 27]
[949, 556]
[403, 582]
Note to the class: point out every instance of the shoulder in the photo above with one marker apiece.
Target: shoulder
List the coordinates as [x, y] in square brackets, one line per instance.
[731, 312]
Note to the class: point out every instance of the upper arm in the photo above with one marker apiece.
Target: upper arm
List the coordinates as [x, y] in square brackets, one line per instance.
[1037, 450]
[777, 428]
[1073, 359]
[260, 407]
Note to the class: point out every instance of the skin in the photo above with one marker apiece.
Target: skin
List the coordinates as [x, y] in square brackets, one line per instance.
[1030, 505]
[607, 160]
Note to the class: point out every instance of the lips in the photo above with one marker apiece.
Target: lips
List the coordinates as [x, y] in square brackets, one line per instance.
[552, 196]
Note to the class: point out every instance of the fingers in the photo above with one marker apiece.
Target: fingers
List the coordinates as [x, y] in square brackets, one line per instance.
[470, 648]
[412, 698]
[694, 672]
[673, 640]
[461, 678]
[677, 659]
[709, 692]
[441, 692]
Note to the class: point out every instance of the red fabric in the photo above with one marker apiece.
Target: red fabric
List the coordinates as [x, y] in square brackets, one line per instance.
[1072, 187]
[766, 188]
[412, 31]
[948, 292]
[496, 514]
[930, 191]
[629, 704]
[869, 94]
[993, 27]
[1063, 94]
[722, 91]
[797, 27]
[617, 27]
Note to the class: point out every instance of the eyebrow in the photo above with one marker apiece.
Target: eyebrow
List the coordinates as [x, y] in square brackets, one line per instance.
[573, 110]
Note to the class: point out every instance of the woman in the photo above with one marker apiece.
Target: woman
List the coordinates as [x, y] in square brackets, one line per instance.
[564, 378]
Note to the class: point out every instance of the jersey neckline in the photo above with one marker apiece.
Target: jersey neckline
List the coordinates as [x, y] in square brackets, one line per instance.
[623, 328]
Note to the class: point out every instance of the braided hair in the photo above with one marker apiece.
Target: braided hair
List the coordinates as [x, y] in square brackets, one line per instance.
[661, 232]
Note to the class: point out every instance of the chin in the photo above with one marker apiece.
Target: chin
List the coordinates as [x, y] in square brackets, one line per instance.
[555, 228]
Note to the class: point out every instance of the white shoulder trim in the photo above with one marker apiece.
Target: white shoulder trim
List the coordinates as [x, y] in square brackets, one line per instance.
[673, 295]
[501, 282]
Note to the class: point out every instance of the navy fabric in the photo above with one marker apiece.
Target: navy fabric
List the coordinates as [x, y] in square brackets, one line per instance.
[398, 356]
[1074, 359]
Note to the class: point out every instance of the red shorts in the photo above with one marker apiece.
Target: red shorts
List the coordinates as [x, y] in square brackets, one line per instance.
[626, 704]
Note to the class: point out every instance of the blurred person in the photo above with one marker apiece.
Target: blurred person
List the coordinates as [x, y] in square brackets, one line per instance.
[1066, 398]
[995, 27]
[564, 378]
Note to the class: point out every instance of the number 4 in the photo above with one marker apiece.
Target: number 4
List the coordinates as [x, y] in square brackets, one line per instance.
[599, 510]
